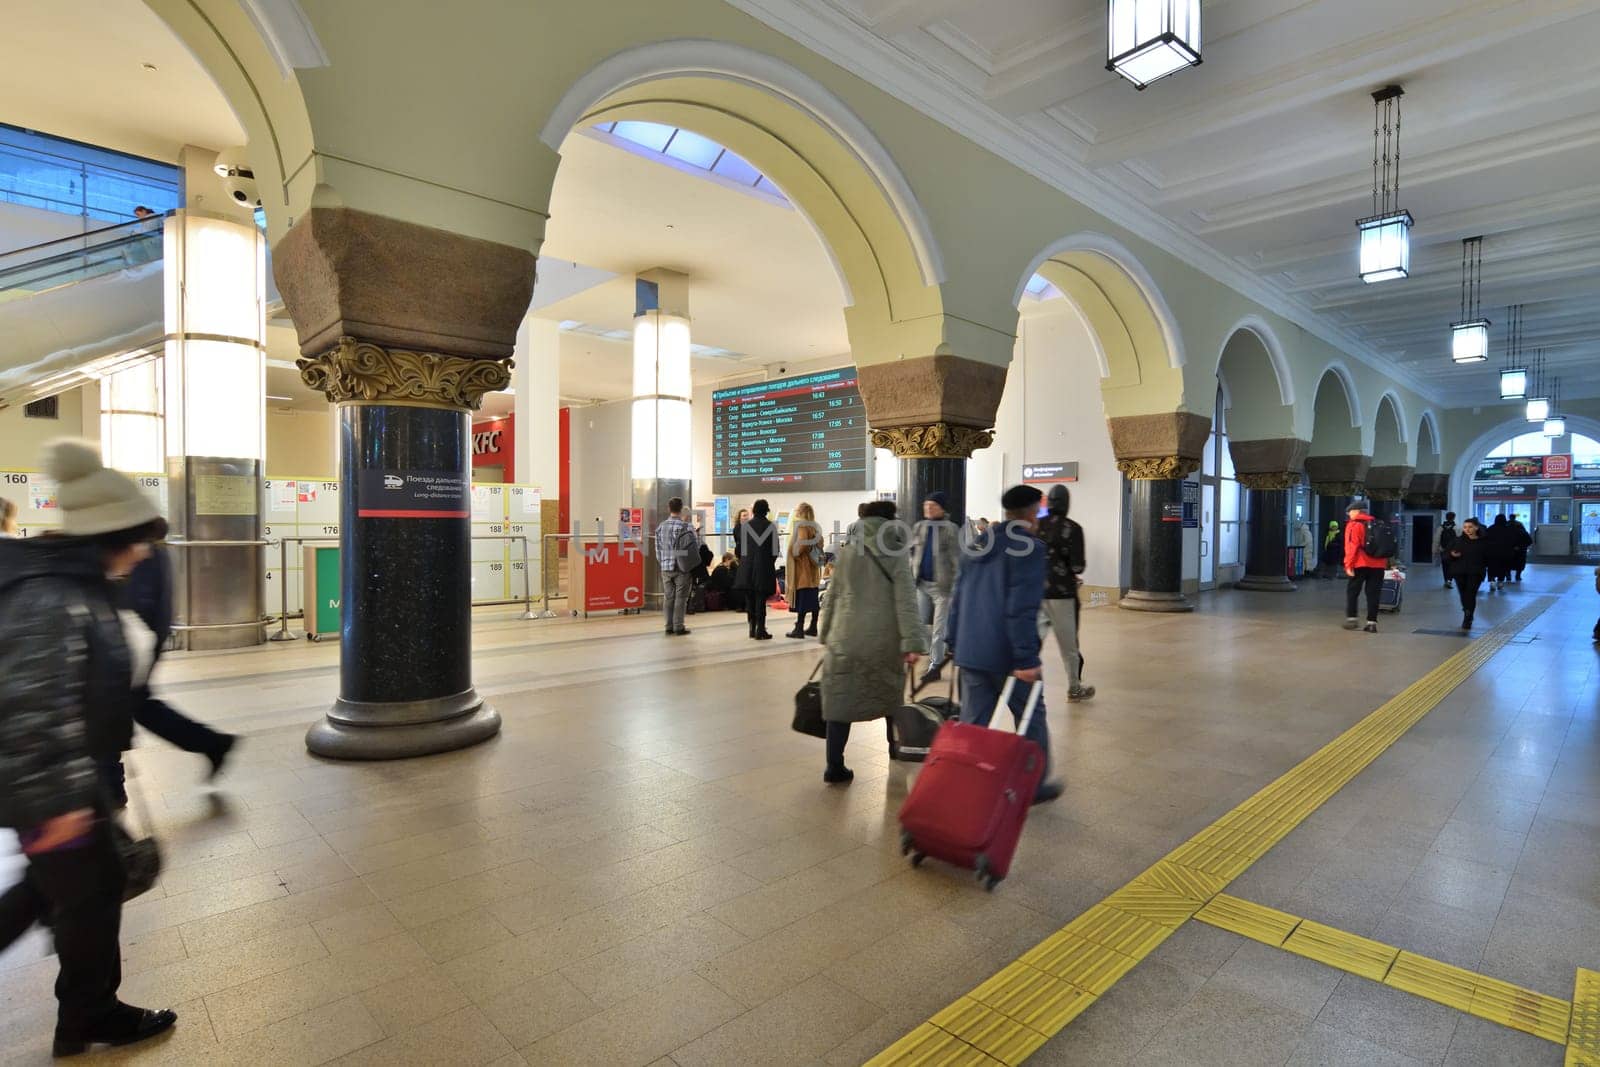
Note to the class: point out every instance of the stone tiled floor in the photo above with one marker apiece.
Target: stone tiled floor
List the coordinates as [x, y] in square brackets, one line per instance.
[646, 869]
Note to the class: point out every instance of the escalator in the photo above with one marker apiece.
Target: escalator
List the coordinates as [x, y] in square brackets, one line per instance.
[79, 307]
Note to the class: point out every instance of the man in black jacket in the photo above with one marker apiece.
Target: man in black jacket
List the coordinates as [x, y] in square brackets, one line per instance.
[67, 670]
[1063, 538]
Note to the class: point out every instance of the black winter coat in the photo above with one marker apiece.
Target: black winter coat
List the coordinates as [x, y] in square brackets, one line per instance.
[65, 671]
[1064, 539]
[757, 547]
[1469, 557]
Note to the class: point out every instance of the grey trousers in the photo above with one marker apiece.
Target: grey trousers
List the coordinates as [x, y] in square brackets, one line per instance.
[675, 597]
[1061, 616]
[934, 605]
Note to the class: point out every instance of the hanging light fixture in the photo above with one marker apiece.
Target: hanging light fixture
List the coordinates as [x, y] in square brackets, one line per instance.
[1555, 423]
[1386, 233]
[1469, 335]
[1538, 403]
[1513, 376]
[1146, 40]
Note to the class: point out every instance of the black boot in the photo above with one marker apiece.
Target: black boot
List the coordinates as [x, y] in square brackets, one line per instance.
[811, 631]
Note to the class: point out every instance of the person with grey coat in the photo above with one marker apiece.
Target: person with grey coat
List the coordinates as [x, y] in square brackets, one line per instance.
[871, 630]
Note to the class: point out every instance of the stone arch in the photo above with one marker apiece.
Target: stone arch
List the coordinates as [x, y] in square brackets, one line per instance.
[250, 50]
[1472, 454]
[1336, 429]
[1388, 439]
[1139, 345]
[1260, 393]
[1428, 449]
[814, 148]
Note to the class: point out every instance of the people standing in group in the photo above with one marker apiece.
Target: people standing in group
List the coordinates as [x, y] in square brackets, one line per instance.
[1364, 571]
[994, 622]
[757, 545]
[1332, 551]
[1442, 540]
[872, 633]
[804, 570]
[1467, 558]
[1520, 540]
[1498, 536]
[8, 518]
[1063, 539]
[677, 554]
[936, 555]
[69, 667]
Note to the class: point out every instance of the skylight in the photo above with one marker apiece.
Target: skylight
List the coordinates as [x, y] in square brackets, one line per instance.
[690, 151]
[1040, 289]
[626, 336]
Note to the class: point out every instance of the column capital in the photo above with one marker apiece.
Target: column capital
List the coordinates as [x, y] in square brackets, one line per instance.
[360, 371]
[910, 398]
[1428, 492]
[1338, 475]
[1159, 447]
[939, 440]
[1274, 463]
[1389, 482]
[1269, 479]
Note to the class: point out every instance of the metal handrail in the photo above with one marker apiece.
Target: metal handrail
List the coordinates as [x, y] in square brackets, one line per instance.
[85, 235]
[217, 544]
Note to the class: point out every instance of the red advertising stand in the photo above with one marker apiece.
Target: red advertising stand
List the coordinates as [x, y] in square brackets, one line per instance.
[609, 576]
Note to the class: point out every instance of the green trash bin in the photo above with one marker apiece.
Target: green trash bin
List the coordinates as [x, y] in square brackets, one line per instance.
[320, 568]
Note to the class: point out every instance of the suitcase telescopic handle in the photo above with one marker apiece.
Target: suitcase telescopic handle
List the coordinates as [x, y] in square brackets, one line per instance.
[1027, 711]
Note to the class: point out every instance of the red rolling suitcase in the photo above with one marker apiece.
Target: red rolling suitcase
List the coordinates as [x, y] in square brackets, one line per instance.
[972, 797]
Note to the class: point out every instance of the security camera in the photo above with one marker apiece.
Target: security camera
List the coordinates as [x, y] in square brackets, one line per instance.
[239, 181]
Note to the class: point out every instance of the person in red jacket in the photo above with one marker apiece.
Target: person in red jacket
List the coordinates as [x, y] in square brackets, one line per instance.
[1365, 572]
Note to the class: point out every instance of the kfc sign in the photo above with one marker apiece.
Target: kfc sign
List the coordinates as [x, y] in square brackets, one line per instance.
[493, 445]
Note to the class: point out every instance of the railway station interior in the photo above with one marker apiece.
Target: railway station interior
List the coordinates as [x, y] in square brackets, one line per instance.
[425, 312]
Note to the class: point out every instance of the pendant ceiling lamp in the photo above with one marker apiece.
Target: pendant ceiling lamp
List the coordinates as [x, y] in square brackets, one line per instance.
[1538, 403]
[1469, 335]
[1513, 376]
[1555, 424]
[1386, 233]
[1147, 40]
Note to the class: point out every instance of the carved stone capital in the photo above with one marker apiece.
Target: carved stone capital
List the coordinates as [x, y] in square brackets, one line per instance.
[1336, 488]
[1158, 468]
[1270, 479]
[1381, 492]
[361, 370]
[939, 440]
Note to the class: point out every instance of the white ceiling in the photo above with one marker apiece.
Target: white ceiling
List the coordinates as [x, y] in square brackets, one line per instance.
[1256, 164]
[75, 68]
[761, 284]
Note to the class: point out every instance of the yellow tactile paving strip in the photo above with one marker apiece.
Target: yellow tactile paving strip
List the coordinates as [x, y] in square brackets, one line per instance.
[1009, 1016]
[1583, 1035]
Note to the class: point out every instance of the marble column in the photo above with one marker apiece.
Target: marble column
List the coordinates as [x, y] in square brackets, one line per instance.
[1157, 452]
[932, 412]
[1267, 532]
[404, 328]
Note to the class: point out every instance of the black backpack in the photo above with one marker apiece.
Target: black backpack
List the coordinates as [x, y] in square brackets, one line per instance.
[1380, 542]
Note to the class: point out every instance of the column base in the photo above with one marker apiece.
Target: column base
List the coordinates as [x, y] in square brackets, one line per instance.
[1266, 583]
[356, 730]
[1140, 600]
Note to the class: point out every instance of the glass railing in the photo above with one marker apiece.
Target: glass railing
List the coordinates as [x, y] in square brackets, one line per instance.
[80, 257]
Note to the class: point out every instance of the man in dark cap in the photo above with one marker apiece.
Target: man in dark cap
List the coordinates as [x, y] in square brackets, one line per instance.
[935, 553]
[1064, 540]
[994, 622]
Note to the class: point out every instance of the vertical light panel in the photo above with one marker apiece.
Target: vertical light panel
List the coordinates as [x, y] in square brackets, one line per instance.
[215, 370]
[661, 389]
[130, 419]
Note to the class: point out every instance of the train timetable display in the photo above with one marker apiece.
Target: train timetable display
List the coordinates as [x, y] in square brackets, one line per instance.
[792, 434]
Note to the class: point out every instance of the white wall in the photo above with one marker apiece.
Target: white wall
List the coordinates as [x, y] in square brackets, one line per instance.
[21, 226]
[601, 452]
[21, 438]
[300, 443]
[1051, 411]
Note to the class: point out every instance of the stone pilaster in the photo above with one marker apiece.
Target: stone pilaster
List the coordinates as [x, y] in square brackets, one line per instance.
[404, 328]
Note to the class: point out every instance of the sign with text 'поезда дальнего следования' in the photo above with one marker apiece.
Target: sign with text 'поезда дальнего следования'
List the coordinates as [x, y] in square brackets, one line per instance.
[413, 495]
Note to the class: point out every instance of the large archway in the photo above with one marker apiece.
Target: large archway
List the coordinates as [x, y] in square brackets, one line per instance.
[1254, 491]
[1477, 450]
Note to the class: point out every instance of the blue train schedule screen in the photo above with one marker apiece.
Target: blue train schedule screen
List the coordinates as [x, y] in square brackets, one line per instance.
[792, 434]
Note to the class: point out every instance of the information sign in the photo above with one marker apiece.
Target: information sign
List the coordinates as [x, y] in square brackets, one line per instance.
[1517, 467]
[1041, 473]
[808, 432]
[412, 495]
[613, 576]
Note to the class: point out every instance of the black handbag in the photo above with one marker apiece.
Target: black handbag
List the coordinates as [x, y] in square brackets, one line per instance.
[808, 707]
[141, 856]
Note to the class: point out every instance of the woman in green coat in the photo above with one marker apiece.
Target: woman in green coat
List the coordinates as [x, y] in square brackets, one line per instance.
[871, 630]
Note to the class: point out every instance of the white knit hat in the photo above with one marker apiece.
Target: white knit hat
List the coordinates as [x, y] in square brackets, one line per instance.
[94, 499]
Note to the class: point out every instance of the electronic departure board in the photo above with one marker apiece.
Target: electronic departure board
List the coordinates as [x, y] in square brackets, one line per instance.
[789, 435]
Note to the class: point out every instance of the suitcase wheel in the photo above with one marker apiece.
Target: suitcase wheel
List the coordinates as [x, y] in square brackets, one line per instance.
[906, 843]
[980, 866]
[917, 858]
[989, 882]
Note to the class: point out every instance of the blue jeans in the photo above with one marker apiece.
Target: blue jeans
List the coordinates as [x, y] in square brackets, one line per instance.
[980, 692]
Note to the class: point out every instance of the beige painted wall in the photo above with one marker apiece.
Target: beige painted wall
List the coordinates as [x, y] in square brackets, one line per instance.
[21, 437]
[300, 443]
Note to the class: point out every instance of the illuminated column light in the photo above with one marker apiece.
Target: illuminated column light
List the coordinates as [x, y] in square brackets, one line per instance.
[215, 370]
[661, 390]
[130, 419]
[1146, 40]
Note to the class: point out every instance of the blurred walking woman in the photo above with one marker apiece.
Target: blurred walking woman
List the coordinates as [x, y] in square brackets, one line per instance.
[870, 631]
[805, 570]
[68, 667]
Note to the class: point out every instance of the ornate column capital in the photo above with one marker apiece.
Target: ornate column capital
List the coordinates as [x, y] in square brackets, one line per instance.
[1337, 488]
[1158, 468]
[1269, 479]
[938, 440]
[360, 371]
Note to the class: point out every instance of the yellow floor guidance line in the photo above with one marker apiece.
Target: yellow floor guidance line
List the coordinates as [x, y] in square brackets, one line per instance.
[1030, 1000]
